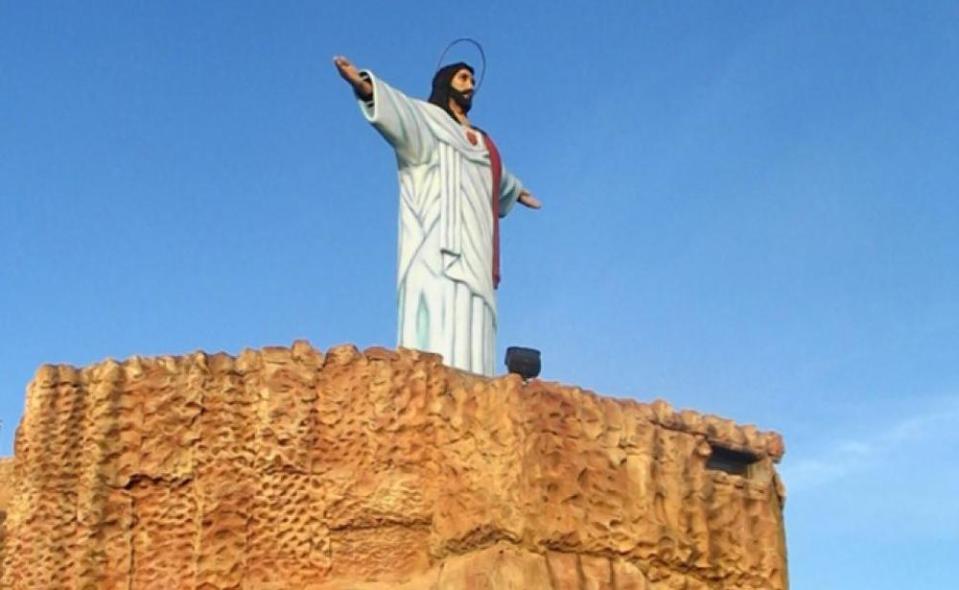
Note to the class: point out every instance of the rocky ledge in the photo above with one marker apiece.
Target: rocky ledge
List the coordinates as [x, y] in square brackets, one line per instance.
[290, 468]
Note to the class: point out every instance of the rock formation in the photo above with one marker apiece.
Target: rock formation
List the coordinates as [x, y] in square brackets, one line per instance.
[288, 468]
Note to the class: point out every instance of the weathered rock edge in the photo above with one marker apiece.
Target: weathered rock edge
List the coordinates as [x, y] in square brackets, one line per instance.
[290, 468]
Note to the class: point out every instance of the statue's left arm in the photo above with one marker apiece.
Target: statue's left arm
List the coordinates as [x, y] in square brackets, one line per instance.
[511, 190]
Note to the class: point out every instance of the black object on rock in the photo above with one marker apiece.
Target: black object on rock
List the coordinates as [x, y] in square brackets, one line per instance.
[524, 362]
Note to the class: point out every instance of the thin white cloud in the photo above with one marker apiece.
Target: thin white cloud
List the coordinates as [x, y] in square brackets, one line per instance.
[845, 457]
[813, 472]
[855, 447]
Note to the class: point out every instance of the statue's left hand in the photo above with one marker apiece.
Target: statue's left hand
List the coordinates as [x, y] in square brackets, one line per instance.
[529, 200]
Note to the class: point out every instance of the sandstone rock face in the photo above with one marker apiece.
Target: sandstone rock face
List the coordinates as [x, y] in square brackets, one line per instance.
[288, 468]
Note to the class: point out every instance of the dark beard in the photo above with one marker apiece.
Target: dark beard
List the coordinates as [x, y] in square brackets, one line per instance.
[464, 102]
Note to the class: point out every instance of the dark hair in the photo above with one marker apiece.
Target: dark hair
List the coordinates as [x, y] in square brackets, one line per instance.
[442, 81]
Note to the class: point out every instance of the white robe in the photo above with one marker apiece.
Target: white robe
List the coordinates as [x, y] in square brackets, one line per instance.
[445, 290]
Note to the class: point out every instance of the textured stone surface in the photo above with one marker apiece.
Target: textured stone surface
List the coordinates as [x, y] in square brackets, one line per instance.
[288, 468]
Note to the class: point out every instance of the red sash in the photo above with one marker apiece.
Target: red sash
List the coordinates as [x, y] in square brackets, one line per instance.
[496, 165]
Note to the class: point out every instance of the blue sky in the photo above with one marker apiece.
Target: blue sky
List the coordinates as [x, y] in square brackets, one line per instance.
[750, 210]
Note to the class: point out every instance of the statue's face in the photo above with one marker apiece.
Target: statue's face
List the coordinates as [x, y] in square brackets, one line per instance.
[461, 89]
[463, 82]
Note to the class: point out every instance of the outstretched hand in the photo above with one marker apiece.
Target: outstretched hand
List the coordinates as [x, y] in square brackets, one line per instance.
[529, 200]
[352, 76]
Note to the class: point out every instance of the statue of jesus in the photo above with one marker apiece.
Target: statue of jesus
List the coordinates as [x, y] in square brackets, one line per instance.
[453, 190]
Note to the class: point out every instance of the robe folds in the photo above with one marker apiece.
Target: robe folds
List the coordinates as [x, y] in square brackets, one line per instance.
[445, 292]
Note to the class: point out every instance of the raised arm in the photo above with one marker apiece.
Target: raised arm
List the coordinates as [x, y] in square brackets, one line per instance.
[362, 88]
[396, 116]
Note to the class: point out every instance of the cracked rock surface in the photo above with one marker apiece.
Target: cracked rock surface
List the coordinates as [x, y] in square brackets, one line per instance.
[290, 468]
